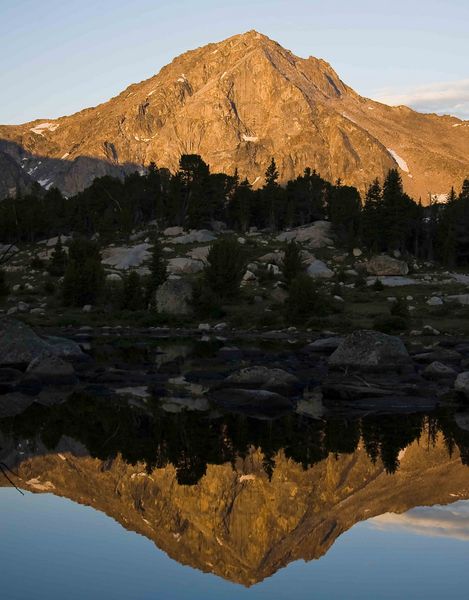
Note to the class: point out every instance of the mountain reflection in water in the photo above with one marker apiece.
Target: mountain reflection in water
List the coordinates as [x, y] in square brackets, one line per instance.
[230, 495]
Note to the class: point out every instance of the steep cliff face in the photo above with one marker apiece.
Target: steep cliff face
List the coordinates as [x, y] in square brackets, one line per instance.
[235, 522]
[238, 103]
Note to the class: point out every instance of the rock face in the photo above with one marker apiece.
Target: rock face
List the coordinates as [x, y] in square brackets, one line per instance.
[386, 265]
[174, 297]
[370, 350]
[237, 103]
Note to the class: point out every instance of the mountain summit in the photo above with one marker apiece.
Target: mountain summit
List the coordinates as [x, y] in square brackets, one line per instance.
[237, 103]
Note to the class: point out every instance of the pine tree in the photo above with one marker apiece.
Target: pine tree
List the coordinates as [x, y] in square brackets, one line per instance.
[226, 265]
[158, 271]
[132, 292]
[4, 289]
[272, 197]
[84, 277]
[293, 263]
[240, 207]
[58, 262]
[372, 217]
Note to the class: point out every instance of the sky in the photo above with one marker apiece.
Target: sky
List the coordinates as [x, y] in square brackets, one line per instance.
[58, 57]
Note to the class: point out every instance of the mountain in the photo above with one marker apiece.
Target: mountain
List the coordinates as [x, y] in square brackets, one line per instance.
[237, 103]
[236, 522]
[12, 177]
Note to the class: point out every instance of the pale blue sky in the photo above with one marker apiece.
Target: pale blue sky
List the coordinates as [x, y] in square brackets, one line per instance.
[58, 56]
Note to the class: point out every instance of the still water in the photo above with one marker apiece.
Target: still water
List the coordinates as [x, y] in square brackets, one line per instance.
[53, 548]
[123, 503]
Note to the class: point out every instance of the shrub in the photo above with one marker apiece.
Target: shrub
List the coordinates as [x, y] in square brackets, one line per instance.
[84, 277]
[378, 285]
[305, 300]
[293, 263]
[360, 281]
[206, 302]
[49, 287]
[37, 264]
[400, 308]
[390, 324]
[226, 265]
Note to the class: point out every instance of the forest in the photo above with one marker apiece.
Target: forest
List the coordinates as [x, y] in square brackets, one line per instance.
[386, 219]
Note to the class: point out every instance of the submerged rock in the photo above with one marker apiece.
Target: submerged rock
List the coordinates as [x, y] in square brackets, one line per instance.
[267, 378]
[19, 344]
[51, 370]
[461, 384]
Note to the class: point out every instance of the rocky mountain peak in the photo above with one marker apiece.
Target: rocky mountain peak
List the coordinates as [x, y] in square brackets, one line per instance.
[237, 103]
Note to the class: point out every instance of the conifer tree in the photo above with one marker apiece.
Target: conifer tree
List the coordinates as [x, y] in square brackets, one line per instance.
[226, 265]
[132, 292]
[58, 262]
[158, 271]
[372, 217]
[84, 277]
[293, 263]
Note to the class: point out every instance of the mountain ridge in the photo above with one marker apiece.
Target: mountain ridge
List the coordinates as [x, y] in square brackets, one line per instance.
[237, 103]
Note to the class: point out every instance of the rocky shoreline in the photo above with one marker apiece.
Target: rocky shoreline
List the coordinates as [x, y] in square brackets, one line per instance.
[261, 374]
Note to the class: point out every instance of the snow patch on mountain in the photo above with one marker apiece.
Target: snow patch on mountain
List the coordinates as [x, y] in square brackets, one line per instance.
[399, 160]
[42, 127]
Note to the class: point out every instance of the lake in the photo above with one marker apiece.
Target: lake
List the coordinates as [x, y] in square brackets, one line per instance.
[125, 503]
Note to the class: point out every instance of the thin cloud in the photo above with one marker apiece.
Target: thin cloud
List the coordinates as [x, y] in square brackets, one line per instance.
[450, 98]
[438, 521]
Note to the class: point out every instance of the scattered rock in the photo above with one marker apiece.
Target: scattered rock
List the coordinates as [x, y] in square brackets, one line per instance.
[317, 235]
[173, 231]
[260, 403]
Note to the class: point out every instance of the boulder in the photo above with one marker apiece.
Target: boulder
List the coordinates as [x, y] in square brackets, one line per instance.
[386, 265]
[437, 370]
[462, 299]
[370, 350]
[319, 270]
[326, 345]
[51, 370]
[199, 253]
[173, 231]
[461, 384]
[65, 348]
[126, 257]
[19, 344]
[185, 265]
[317, 234]
[201, 236]
[275, 258]
[174, 297]
[435, 301]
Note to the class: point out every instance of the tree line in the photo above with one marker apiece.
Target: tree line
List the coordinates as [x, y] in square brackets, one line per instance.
[387, 219]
